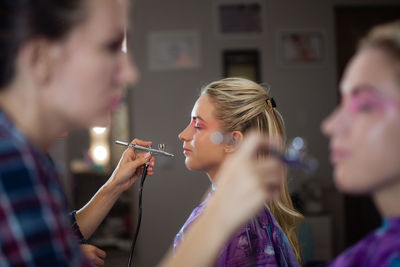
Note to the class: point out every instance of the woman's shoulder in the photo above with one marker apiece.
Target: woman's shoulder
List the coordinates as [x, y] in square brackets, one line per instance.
[261, 229]
[11, 153]
[266, 218]
[379, 248]
[12, 142]
[261, 241]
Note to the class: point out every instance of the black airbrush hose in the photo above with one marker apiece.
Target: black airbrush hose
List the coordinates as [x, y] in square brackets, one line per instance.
[139, 214]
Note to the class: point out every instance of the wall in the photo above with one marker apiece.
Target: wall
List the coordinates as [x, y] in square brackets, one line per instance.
[160, 104]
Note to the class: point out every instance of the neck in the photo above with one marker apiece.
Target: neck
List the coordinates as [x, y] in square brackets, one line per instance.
[29, 114]
[387, 199]
[212, 175]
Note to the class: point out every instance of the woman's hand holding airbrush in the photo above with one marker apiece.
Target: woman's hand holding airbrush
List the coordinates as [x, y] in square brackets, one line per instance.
[129, 169]
[131, 166]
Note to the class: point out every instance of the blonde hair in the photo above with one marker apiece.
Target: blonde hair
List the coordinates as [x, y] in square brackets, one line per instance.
[241, 104]
[387, 38]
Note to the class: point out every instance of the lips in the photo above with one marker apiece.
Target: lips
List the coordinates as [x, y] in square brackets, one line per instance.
[337, 155]
[115, 103]
[186, 151]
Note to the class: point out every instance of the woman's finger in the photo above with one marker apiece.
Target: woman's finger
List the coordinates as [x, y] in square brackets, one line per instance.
[101, 253]
[140, 142]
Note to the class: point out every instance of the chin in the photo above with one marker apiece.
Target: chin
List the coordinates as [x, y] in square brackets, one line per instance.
[190, 166]
[187, 163]
[104, 121]
[349, 185]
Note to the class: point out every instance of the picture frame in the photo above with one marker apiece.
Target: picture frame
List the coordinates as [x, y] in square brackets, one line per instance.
[244, 63]
[300, 47]
[239, 18]
[173, 50]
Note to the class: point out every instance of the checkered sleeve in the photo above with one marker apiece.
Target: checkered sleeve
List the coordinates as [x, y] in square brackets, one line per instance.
[75, 228]
[33, 231]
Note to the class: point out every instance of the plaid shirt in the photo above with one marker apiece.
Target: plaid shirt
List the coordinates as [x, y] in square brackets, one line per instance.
[35, 229]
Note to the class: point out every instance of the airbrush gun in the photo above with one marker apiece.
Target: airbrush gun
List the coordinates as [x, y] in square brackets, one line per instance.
[159, 151]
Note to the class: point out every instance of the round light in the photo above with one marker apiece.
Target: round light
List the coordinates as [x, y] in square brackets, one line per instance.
[99, 130]
[100, 153]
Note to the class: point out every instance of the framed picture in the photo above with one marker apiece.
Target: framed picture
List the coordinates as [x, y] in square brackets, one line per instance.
[242, 63]
[235, 18]
[171, 50]
[301, 47]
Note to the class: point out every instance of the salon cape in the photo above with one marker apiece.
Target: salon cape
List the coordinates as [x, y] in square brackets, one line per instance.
[380, 248]
[269, 244]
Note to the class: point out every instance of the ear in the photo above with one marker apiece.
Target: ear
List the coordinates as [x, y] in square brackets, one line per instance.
[234, 142]
[41, 56]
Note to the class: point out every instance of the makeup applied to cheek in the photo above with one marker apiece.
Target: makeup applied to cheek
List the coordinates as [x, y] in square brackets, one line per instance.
[373, 112]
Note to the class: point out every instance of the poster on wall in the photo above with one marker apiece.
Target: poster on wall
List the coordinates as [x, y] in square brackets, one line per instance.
[173, 50]
[239, 18]
[300, 47]
[242, 63]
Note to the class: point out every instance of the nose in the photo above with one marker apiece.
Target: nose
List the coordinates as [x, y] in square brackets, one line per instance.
[186, 134]
[129, 74]
[336, 123]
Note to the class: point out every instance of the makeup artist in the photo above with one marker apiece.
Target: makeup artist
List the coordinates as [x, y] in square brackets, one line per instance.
[61, 68]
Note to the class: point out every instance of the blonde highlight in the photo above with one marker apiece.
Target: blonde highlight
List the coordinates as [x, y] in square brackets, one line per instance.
[387, 38]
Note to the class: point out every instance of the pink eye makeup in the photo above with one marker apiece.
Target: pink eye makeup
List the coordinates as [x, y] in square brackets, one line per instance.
[366, 101]
[197, 123]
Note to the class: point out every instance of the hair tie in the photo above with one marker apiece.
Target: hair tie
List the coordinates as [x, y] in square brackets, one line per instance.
[271, 102]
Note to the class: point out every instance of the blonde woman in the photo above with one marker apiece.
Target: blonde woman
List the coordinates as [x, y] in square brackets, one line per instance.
[364, 135]
[231, 108]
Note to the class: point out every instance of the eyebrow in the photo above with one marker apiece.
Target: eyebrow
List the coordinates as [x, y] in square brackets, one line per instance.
[363, 88]
[198, 118]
